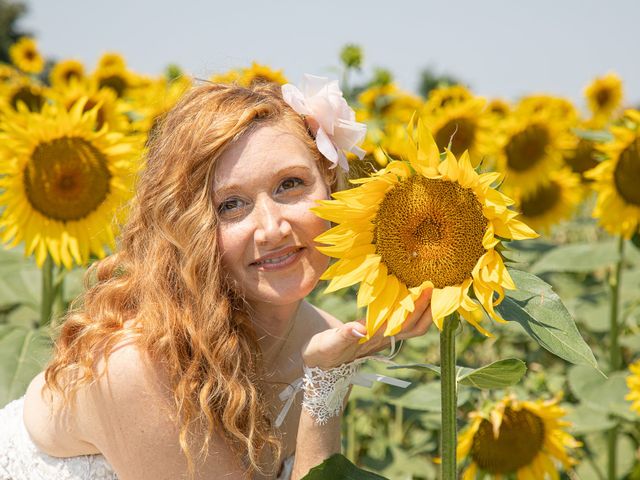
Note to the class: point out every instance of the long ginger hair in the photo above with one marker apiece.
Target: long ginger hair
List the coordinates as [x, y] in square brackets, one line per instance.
[166, 275]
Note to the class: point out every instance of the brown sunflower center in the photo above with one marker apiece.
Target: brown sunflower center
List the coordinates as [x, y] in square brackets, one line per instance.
[30, 97]
[115, 82]
[430, 229]
[66, 179]
[582, 158]
[541, 201]
[603, 97]
[520, 439]
[525, 149]
[30, 54]
[70, 74]
[460, 132]
[627, 173]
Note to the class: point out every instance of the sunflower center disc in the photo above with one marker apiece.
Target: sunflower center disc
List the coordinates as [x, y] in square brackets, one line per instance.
[627, 173]
[583, 157]
[430, 229]
[66, 179]
[603, 97]
[527, 148]
[33, 100]
[460, 131]
[540, 202]
[115, 82]
[521, 438]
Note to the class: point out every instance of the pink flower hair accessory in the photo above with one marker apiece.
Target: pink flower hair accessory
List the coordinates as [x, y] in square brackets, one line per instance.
[329, 117]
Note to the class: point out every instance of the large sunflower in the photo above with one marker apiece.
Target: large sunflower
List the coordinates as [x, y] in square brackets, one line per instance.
[63, 182]
[519, 438]
[529, 148]
[604, 95]
[633, 382]
[418, 224]
[24, 54]
[553, 200]
[616, 179]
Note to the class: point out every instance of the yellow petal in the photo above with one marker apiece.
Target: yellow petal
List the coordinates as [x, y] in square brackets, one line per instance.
[380, 309]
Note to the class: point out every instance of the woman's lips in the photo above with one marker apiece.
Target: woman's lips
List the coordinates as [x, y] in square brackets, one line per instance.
[278, 260]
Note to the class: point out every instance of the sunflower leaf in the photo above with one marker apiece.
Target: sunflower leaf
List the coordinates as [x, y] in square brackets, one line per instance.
[541, 313]
[593, 135]
[576, 257]
[500, 374]
[338, 467]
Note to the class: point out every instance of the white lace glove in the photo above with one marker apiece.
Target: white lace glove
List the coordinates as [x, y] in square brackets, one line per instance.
[324, 390]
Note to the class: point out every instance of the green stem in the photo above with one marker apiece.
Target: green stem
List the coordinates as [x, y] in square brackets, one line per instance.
[615, 359]
[397, 428]
[448, 441]
[48, 296]
[351, 435]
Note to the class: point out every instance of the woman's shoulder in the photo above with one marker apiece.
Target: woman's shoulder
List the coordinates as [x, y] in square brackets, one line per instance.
[323, 319]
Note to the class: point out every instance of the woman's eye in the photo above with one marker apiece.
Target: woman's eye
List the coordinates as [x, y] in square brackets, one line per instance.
[290, 183]
[229, 206]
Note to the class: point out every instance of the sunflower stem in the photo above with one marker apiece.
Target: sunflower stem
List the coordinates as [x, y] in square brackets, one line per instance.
[615, 359]
[46, 305]
[448, 441]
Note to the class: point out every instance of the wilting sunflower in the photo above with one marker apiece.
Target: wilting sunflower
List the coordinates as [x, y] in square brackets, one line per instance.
[529, 148]
[616, 179]
[553, 200]
[24, 54]
[633, 382]
[521, 438]
[65, 72]
[418, 224]
[465, 125]
[604, 95]
[63, 182]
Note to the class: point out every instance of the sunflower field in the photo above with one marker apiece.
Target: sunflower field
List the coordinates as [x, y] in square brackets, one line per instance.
[522, 216]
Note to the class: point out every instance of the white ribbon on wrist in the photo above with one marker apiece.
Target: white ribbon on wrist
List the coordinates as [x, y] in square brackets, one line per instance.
[366, 380]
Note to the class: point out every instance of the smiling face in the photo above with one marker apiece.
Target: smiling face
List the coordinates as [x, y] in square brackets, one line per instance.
[264, 185]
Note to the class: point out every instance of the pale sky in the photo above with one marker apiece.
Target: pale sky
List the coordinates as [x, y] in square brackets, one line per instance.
[501, 48]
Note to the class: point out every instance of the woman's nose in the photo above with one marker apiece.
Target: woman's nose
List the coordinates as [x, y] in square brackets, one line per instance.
[272, 225]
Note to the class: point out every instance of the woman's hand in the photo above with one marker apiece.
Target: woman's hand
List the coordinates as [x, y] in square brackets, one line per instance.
[336, 346]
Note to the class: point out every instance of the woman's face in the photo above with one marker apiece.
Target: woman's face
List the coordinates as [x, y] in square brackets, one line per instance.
[264, 186]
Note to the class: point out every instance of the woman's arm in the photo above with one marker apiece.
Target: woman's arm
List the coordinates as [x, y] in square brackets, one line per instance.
[332, 348]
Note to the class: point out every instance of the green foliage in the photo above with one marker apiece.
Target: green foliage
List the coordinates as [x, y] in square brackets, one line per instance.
[351, 56]
[430, 80]
[10, 13]
[337, 467]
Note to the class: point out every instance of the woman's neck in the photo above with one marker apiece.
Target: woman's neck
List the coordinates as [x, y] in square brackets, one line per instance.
[274, 327]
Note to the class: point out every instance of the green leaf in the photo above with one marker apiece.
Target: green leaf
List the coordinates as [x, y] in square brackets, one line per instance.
[500, 374]
[593, 135]
[601, 394]
[23, 354]
[539, 310]
[576, 257]
[338, 467]
[585, 419]
[425, 397]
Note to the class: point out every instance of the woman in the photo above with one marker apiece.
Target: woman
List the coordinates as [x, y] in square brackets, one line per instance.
[172, 366]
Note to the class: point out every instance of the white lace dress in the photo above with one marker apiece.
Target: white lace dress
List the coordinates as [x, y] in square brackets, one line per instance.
[20, 459]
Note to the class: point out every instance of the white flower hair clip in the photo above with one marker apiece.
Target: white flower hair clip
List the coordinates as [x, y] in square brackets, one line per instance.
[329, 117]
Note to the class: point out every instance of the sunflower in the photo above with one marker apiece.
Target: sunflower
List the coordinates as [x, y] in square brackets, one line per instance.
[616, 179]
[604, 95]
[633, 382]
[418, 224]
[441, 97]
[554, 199]
[258, 73]
[65, 72]
[387, 102]
[115, 77]
[529, 148]
[24, 54]
[63, 182]
[498, 108]
[110, 109]
[463, 124]
[111, 60]
[8, 74]
[558, 109]
[232, 76]
[23, 91]
[521, 438]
